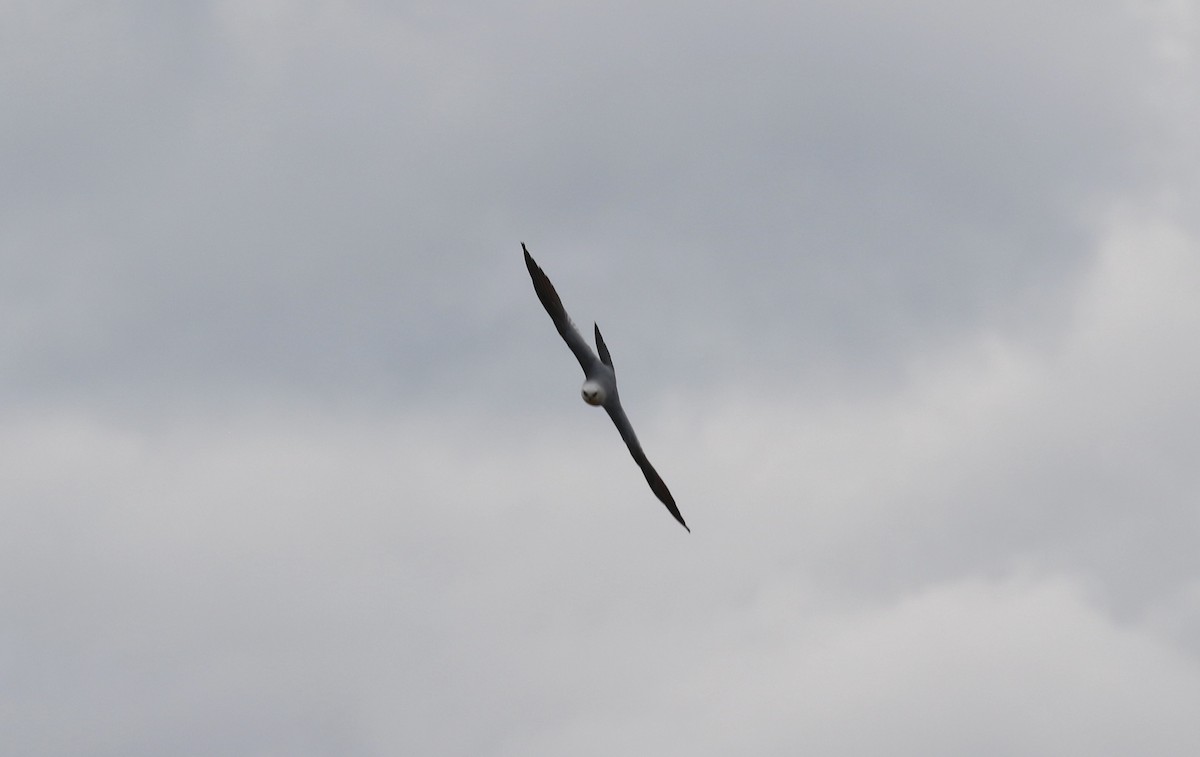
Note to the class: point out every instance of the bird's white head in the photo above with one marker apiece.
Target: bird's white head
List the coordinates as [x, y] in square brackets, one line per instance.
[593, 393]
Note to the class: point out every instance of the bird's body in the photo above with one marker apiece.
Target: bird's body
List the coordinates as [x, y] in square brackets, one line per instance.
[600, 379]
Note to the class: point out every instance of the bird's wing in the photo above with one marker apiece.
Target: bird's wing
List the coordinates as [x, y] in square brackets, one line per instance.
[558, 314]
[657, 486]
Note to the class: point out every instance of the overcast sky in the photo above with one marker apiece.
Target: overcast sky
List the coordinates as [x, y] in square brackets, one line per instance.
[904, 300]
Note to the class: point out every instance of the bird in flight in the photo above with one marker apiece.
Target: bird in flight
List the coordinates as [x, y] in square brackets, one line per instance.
[600, 380]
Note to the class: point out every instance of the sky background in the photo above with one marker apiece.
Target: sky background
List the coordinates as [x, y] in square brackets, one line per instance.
[904, 300]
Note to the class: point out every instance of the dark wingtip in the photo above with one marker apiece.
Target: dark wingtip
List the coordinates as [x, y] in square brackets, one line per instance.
[680, 519]
[534, 269]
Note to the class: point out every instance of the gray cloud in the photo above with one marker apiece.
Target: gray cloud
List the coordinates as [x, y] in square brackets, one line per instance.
[902, 302]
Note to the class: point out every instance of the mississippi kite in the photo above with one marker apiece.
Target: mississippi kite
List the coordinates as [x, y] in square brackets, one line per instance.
[600, 380]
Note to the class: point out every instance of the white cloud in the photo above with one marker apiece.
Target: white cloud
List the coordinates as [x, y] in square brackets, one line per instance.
[910, 570]
[1019, 666]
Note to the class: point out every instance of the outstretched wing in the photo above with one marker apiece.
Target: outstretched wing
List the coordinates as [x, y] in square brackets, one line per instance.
[558, 314]
[657, 486]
